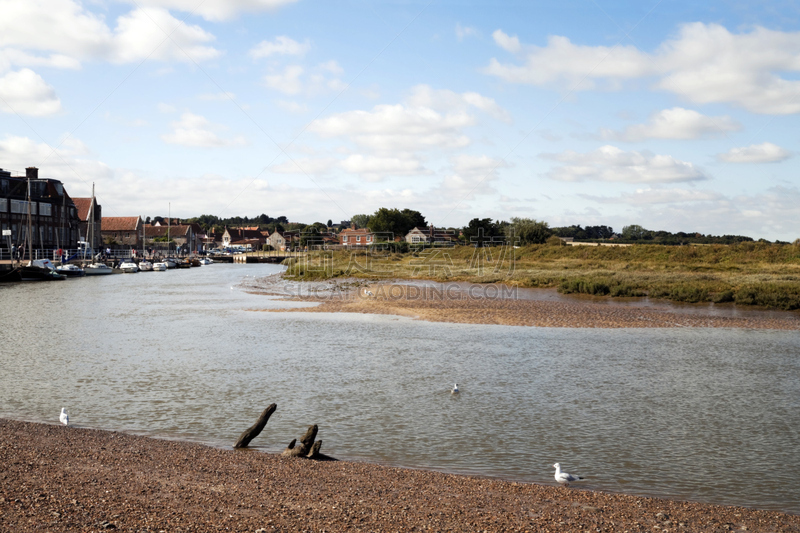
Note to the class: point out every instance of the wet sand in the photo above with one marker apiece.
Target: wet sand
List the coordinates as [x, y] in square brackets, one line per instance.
[56, 478]
[493, 304]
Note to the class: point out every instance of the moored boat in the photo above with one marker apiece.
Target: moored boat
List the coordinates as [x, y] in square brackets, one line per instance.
[159, 267]
[71, 271]
[39, 270]
[145, 266]
[129, 267]
[97, 269]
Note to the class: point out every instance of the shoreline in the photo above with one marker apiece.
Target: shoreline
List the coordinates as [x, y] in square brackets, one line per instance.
[509, 306]
[59, 478]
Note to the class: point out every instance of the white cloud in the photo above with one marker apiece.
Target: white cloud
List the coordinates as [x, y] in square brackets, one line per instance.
[704, 63]
[292, 107]
[195, 130]
[26, 93]
[219, 9]
[282, 45]
[465, 31]
[611, 164]
[397, 128]
[296, 80]
[561, 62]
[675, 123]
[756, 153]
[373, 168]
[506, 42]
[74, 34]
[470, 175]
[311, 166]
[62, 163]
[287, 82]
[657, 196]
[165, 108]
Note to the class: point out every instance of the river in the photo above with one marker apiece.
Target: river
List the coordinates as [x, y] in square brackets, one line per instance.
[708, 415]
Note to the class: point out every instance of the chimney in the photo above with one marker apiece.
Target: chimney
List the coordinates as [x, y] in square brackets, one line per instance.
[32, 173]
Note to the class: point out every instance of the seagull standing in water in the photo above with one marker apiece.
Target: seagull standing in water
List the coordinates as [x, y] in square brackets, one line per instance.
[64, 418]
[455, 389]
[563, 477]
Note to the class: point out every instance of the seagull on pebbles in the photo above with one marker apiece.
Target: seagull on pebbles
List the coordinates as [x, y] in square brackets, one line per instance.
[455, 389]
[563, 477]
[64, 417]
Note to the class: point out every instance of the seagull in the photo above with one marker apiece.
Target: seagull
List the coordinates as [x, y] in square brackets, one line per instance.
[64, 418]
[455, 389]
[563, 477]
[369, 293]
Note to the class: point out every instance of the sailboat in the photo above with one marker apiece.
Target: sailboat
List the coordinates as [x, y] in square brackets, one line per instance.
[96, 268]
[66, 268]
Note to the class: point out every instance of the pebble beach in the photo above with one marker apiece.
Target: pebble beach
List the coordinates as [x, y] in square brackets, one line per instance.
[71, 479]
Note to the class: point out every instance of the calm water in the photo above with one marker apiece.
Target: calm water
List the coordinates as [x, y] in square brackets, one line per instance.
[699, 414]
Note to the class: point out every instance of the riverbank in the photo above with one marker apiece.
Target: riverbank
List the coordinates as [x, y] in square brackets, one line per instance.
[510, 306]
[56, 478]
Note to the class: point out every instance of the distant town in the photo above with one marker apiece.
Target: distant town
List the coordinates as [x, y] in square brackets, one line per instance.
[42, 207]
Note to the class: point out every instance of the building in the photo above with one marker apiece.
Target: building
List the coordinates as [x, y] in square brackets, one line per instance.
[430, 235]
[89, 208]
[241, 236]
[127, 231]
[182, 236]
[356, 237]
[54, 221]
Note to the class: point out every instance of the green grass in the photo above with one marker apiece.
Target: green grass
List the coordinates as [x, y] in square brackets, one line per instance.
[759, 274]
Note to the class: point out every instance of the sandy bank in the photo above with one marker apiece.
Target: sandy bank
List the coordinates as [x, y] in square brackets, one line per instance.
[55, 478]
[492, 305]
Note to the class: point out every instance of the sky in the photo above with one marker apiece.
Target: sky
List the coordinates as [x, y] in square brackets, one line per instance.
[677, 116]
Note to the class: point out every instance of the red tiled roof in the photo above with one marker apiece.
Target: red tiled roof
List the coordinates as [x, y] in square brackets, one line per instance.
[161, 231]
[119, 223]
[84, 205]
[360, 231]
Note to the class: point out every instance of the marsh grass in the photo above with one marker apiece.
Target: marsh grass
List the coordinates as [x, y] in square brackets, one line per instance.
[750, 273]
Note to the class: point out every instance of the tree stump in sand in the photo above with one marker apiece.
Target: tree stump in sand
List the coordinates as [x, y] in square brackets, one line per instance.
[256, 428]
[307, 447]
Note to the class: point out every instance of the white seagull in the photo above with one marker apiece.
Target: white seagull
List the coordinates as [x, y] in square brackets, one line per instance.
[64, 418]
[563, 477]
[455, 389]
[368, 293]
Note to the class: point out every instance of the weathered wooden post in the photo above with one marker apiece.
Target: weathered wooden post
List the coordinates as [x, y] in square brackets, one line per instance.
[256, 428]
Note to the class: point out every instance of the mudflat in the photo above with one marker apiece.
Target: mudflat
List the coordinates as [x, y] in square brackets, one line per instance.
[476, 304]
[56, 478]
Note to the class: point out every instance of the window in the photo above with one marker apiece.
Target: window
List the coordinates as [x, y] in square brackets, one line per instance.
[45, 210]
[3, 205]
[344, 238]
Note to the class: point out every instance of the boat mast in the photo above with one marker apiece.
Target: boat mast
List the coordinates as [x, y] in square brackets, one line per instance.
[30, 230]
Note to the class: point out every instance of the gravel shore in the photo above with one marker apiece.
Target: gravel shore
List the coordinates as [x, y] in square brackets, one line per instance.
[496, 304]
[57, 478]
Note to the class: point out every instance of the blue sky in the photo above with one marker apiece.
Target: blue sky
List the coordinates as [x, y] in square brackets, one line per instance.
[669, 115]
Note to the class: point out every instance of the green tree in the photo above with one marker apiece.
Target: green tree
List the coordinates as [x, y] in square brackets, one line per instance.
[312, 234]
[481, 232]
[635, 232]
[330, 223]
[528, 230]
[360, 221]
[395, 222]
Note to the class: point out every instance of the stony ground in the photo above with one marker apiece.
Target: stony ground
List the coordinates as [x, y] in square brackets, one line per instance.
[55, 478]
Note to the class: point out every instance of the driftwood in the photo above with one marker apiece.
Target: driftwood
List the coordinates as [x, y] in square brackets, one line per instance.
[256, 428]
[307, 448]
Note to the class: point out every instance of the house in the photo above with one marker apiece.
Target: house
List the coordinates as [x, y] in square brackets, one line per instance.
[232, 236]
[283, 240]
[54, 217]
[182, 235]
[90, 228]
[430, 235]
[356, 237]
[127, 231]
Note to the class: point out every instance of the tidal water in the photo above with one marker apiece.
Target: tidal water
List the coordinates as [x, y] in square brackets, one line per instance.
[708, 415]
